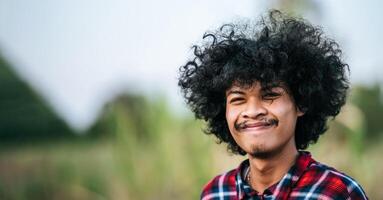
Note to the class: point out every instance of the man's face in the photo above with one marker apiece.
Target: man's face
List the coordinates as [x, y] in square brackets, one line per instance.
[262, 122]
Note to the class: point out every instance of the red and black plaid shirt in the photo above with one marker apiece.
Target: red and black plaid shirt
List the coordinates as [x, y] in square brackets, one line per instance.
[306, 180]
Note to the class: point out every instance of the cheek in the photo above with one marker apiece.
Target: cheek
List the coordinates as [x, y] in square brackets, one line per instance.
[287, 114]
[282, 112]
[231, 115]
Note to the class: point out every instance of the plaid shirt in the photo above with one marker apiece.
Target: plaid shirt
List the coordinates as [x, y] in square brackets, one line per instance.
[307, 180]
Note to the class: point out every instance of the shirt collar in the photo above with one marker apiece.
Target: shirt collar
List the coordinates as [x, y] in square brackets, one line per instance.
[288, 181]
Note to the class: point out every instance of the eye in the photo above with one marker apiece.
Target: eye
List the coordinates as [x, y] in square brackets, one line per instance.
[236, 100]
[271, 95]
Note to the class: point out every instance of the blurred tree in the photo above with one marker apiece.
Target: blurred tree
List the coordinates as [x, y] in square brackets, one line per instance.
[369, 100]
[302, 7]
[350, 126]
[155, 150]
[135, 106]
[308, 9]
[24, 115]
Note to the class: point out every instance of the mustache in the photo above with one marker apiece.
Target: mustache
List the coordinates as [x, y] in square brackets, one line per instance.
[242, 125]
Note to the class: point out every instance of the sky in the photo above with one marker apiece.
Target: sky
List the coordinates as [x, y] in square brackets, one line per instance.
[79, 54]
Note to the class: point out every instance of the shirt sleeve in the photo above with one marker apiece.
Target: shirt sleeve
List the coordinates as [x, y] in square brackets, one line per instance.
[356, 192]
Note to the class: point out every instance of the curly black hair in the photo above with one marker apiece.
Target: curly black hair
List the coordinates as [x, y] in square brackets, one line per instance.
[278, 49]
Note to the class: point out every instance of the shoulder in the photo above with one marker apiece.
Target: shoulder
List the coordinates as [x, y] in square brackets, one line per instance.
[223, 185]
[320, 179]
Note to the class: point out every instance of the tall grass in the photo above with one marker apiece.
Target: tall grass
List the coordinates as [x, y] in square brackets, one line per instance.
[147, 152]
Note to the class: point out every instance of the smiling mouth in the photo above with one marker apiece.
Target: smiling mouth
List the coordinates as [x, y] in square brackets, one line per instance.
[256, 125]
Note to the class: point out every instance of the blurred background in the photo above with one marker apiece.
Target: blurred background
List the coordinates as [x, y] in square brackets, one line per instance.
[90, 108]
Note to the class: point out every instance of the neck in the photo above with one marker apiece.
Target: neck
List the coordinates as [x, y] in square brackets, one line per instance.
[265, 172]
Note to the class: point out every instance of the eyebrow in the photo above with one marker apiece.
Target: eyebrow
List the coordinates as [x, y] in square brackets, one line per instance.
[235, 92]
[278, 89]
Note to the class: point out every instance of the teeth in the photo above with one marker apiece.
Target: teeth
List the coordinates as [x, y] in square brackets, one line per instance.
[258, 126]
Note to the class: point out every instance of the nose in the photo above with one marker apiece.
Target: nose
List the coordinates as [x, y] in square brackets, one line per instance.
[253, 109]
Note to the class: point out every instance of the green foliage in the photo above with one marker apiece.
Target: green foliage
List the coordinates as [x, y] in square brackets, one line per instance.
[24, 116]
[143, 151]
[155, 150]
[300, 7]
[59, 171]
[369, 100]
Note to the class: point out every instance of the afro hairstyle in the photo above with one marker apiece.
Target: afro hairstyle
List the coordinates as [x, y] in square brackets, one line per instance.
[278, 49]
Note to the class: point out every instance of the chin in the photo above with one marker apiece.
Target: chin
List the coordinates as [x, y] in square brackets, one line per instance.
[261, 152]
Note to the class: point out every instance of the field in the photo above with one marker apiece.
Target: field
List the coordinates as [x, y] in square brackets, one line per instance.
[142, 151]
[105, 169]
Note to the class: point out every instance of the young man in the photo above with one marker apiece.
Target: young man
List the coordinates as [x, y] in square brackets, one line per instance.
[267, 90]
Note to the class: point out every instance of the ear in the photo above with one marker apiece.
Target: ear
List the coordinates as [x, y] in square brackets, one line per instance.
[300, 112]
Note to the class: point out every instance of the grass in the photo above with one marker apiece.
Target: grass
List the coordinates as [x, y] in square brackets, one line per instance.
[155, 155]
[98, 170]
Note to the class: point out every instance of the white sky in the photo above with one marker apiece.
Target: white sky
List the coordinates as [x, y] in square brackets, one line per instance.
[78, 54]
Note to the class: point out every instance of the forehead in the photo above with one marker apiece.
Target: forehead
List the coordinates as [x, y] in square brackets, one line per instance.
[256, 86]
